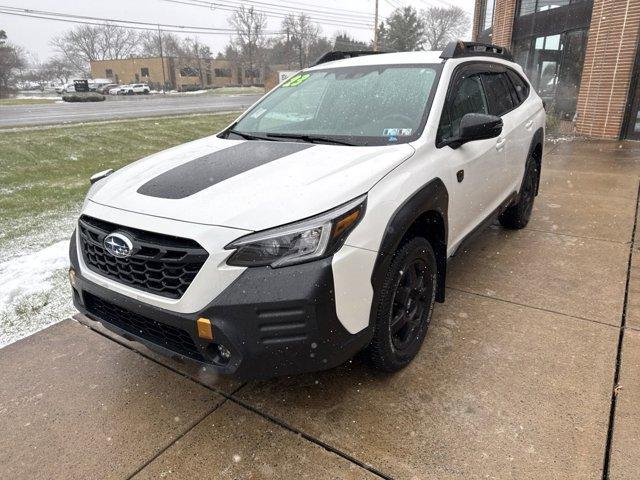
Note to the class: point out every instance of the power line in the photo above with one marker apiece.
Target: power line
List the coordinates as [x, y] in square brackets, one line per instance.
[313, 10]
[301, 6]
[135, 25]
[275, 14]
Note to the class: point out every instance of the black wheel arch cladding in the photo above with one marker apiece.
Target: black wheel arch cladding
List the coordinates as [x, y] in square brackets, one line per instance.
[537, 142]
[426, 214]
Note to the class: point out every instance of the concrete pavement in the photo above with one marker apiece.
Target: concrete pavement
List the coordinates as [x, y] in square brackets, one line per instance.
[121, 107]
[515, 380]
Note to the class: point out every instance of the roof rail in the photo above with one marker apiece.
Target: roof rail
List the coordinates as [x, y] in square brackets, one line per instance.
[471, 49]
[338, 55]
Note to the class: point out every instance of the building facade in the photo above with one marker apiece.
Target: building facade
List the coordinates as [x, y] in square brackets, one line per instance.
[176, 73]
[582, 57]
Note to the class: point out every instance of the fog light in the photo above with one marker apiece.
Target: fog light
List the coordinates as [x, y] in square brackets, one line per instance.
[224, 352]
[72, 277]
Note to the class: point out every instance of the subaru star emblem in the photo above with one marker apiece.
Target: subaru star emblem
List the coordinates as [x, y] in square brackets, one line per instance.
[118, 245]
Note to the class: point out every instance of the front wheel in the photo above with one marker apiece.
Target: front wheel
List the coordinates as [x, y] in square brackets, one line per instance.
[517, 216]
[404, 307]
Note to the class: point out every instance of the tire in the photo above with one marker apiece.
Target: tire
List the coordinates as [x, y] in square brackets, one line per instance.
[517, 215]
[130, 92]
[405, 305]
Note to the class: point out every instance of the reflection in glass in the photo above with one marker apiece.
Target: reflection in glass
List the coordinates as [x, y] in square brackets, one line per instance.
[488, 14]
[554, 66]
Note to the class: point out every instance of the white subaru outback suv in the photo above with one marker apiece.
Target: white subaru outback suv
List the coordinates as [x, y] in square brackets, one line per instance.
[318, 224]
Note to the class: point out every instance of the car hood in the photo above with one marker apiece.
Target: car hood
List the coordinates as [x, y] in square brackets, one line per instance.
[249, 185]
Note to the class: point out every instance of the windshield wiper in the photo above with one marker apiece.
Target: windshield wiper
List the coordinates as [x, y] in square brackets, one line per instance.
[248, 136]
[310, 138]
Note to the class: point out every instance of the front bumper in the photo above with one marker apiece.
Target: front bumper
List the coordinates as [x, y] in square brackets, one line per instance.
[273, 321]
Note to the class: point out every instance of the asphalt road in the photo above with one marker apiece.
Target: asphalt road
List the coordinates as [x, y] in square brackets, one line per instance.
[122, 107]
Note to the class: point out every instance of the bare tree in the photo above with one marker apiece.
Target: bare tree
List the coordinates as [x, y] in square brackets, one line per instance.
[150, 43]
[12, 59]
[193, 54]
[60, 69]
[443, 25]
[117, 42]
[85, 43]
[249, 38]
[302, 34]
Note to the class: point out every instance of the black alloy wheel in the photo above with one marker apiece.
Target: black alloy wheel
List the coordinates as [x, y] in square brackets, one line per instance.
[411, 302]
[404, 306]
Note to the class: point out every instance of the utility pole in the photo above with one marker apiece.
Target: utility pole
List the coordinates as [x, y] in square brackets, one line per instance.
[164, 78]
[375, 29]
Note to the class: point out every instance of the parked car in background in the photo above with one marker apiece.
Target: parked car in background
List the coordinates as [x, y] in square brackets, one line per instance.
[106, 88]
[98, 83]
[137, 88]
[66, 88]
[118, 90]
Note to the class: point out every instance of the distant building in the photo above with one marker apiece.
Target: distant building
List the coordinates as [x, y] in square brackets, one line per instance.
[582, 56]
[176, 73]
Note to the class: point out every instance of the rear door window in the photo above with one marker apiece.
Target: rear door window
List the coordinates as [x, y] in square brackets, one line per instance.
[498, 88]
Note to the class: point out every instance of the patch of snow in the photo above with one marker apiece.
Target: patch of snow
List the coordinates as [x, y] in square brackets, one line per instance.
[37, 97]
[31, 273]
[34, 289]
[195, 92]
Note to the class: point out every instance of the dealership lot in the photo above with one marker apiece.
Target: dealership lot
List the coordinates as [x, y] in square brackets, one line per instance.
[515, 379]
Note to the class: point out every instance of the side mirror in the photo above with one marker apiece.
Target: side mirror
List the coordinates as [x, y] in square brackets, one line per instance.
[476, 126]
[96, 177]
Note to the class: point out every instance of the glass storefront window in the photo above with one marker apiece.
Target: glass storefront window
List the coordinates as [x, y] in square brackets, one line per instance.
[530, 6]
[550, 4]
[527, 7]
[554, 66]
[488, 14]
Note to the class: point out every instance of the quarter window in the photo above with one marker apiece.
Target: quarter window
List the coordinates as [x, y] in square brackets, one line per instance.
[498, 93]
[521, 87]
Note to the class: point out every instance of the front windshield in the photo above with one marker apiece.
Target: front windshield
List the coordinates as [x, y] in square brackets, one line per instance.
[364, 105]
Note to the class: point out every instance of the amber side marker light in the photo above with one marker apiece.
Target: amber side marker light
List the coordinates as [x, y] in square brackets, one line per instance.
[72, 277]
[205, 330]
[343, 224]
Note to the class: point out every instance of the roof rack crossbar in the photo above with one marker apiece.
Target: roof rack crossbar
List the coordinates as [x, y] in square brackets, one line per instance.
[340, 55]
[469, 49]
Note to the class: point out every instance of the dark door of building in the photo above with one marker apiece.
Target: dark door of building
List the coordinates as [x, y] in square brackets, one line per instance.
[633, 120]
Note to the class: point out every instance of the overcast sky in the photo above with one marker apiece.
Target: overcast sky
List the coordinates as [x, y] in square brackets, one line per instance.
[35, 34]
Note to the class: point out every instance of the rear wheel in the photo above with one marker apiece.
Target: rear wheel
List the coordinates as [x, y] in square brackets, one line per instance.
[517, 216]
[405, 306]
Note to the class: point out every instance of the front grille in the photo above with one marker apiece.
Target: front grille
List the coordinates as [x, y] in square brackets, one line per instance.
[172, 338]
[160, 264]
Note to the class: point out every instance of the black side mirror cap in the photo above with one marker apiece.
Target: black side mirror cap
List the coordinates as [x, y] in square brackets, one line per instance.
[476, 126]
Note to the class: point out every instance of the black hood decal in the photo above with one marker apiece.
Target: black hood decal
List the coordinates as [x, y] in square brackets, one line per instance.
[204, 172]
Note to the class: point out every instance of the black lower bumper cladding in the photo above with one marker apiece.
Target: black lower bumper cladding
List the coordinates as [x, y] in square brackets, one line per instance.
[272, 321]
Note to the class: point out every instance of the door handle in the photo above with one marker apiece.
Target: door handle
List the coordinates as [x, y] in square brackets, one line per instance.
[528, 125]
[500, 143]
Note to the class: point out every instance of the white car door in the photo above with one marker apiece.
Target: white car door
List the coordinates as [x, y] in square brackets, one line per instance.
[503, 102]
[476, 168]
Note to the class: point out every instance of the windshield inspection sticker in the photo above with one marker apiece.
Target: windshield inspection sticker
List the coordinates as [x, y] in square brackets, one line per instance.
[397, 132]
[296, 80]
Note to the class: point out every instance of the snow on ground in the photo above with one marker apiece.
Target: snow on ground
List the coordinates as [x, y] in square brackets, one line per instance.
[38, 97]
[34, 290]
[30, 274]
[193, 92]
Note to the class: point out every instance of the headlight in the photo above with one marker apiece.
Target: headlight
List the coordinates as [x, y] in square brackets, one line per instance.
[309, 239]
